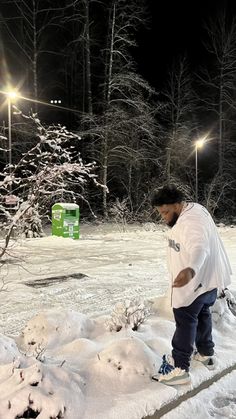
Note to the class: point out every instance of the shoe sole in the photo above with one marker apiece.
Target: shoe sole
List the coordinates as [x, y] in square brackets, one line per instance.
[208, 366]
[173, 382]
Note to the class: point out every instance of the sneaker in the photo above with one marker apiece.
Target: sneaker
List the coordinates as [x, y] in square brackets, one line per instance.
[206, 360]
[170, 375]
[175, 377]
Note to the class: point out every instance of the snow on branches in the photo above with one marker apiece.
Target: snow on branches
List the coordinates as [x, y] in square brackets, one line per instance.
[128, 314]
[51, 169]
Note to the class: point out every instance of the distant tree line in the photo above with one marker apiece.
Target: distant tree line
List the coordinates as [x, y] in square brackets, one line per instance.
[82, 52]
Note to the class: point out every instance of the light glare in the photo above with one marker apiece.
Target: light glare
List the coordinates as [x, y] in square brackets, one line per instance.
[12, 95]
[200, 143]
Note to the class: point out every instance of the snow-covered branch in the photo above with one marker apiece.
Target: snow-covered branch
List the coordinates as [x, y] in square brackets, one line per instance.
[52, 169]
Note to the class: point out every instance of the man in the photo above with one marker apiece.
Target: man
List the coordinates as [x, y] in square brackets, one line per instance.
[198, 267]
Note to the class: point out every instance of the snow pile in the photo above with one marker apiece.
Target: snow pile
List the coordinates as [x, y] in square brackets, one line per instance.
[66, 365]
[117, 359]
[8, 350]
[28, 387]
[70, 365]
[49, 329]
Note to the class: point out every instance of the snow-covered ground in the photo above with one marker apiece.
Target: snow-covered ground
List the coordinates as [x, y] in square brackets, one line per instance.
[58, 354]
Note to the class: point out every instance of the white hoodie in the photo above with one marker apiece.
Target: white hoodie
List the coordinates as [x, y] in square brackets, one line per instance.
[194, 243]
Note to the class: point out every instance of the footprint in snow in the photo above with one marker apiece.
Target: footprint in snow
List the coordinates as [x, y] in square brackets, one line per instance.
[224, 407]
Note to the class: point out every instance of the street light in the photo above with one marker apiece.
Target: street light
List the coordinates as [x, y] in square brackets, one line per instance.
[11, 95]
[198, 145]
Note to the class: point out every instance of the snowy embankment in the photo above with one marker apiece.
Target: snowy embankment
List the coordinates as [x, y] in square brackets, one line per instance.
[66, 365]
[72, 365]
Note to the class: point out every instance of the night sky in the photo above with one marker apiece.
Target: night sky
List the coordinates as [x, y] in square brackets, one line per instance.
[177, 28]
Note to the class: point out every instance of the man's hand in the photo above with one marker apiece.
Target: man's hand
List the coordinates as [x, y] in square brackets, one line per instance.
[183, 278]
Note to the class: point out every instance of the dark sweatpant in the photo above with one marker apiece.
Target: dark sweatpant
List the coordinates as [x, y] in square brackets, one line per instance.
[193, 325]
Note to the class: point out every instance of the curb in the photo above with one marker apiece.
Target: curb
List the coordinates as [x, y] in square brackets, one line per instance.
[191, 393]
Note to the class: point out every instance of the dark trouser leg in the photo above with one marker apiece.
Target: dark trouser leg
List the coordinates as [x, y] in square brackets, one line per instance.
[204, 342]
[184, 336]
[188, 328]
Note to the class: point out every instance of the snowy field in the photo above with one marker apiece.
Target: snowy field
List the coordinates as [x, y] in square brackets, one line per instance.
[60, 355]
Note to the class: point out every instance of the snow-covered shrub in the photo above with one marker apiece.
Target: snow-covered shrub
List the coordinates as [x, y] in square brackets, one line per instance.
[120, 212]
[50, 170]
[224, 312]
[128, 314]
[225, 304]
[31, 224]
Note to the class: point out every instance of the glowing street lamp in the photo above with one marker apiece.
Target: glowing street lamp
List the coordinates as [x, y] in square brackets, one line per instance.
[11, 95]
[198, 145]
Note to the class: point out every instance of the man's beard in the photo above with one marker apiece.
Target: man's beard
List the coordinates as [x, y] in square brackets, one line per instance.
[172, 222]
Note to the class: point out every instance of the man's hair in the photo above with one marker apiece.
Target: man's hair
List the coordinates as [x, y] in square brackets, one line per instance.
[168, 194]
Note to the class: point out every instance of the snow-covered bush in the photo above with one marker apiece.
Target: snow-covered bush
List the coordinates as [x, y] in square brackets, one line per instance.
[31, 224]
[52, 169]
[128, 314]
[224, 305]
[119, 211]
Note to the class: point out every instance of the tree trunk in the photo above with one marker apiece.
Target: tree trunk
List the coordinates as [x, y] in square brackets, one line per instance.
[35, 58]
[88, 60]
[107, 96]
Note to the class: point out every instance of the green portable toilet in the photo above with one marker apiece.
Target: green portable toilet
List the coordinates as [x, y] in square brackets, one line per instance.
[65, 220]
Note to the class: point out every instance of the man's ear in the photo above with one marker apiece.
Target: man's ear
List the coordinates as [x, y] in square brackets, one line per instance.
[177, 207]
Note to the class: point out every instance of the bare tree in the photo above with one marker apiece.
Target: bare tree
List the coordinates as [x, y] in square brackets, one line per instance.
[216, 190]
[178, 118]
[77, 23]
[29, 28]
[217, 90]
[49, 170]
[219, 81]
[119, 77]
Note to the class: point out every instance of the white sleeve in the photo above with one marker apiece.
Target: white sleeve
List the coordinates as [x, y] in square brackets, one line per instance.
[196, 243]
[197, 258]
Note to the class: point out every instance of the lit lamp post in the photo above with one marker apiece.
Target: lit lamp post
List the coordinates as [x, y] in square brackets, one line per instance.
[198, 144]
[10, 96]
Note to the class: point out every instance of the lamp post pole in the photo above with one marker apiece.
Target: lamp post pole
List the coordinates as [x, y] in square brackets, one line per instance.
[198, 144]
[196, 174]
[9, 133]
[11, 95]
